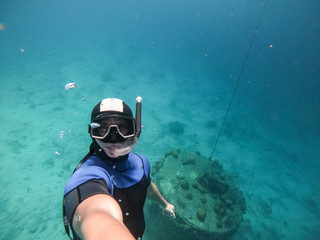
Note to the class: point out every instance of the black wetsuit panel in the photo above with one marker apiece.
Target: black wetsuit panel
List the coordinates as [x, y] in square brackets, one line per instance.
[131, 201]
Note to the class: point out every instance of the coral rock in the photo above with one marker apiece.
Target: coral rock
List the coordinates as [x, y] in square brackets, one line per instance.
[202, 214]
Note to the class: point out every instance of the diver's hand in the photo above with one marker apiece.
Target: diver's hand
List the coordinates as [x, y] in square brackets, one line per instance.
[169, 210]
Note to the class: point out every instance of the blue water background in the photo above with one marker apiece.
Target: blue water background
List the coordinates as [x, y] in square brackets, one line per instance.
[184, 58]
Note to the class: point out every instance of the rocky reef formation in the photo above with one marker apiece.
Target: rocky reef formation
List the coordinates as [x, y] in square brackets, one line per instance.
[208, 203]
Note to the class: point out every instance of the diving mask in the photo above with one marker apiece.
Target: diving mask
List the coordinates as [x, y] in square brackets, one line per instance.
[107, 127]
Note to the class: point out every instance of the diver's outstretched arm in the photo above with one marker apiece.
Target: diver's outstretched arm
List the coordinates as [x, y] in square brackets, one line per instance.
[155, 195]
[100, 218]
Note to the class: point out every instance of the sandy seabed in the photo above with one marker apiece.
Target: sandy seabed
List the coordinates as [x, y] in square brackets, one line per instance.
[44, 136]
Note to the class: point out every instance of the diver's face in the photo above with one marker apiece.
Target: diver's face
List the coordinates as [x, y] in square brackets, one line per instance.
[115, 150]
[111, 149]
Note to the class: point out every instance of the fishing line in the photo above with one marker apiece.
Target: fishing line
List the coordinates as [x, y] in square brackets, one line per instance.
[237, 83]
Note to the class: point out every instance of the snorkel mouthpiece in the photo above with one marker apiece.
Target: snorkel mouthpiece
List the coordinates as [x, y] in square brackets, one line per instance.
[138, 116]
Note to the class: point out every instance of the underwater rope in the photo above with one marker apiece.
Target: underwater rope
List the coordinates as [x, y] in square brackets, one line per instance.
[237, 83]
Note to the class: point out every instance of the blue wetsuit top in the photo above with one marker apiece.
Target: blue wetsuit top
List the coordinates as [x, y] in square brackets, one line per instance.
[127, 181]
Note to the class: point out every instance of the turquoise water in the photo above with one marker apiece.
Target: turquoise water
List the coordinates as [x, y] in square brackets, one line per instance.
[184, 59]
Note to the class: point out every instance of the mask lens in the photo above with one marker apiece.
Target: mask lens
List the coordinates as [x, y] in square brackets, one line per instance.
[124, 125]
[101, 131]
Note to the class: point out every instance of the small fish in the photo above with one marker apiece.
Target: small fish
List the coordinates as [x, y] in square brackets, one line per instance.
[94, 125]
[69, 86]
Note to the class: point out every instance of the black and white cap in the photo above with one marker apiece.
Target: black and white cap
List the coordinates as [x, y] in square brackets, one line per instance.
[111, 106]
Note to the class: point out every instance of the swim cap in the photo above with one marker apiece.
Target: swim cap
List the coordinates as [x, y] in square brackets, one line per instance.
[111, 106]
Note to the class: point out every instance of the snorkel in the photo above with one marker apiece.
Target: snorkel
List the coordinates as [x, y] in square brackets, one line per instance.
[138, 116]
